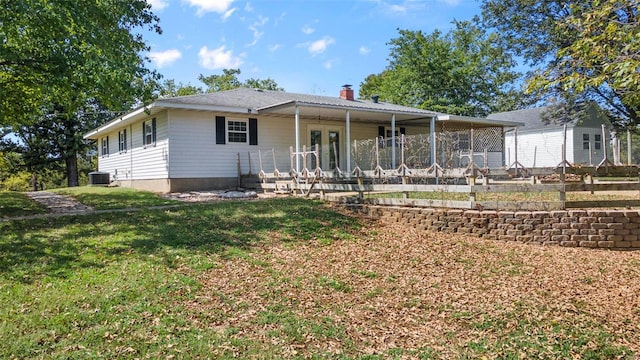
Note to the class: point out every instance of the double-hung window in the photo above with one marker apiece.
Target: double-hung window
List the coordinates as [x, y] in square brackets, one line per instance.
[585, 142]
[149, 132]
[237, 131]
[597, 141]
[105, 146]
[122, 140]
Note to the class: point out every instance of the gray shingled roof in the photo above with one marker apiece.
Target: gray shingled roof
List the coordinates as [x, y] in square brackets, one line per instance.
[531, 118]
[265, 99]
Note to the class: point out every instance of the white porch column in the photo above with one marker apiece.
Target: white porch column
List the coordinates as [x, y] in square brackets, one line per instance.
[393, 141]
[348, 142]
[432, 139]
[297, 138]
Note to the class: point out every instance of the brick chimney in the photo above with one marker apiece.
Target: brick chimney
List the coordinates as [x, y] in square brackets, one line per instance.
[346, 93]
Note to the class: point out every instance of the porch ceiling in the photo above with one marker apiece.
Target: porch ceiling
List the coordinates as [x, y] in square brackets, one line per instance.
[316, 112]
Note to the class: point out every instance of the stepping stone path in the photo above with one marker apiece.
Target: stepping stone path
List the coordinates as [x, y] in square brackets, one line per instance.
[59, 204]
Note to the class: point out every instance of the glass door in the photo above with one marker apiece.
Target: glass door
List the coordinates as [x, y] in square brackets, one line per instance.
[315, 137]
[326, 139]
[334, 149]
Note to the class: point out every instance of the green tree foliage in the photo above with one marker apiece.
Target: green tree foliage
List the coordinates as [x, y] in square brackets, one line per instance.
[54, 142]
[461, 72]
[59, 51]
[264, 84]
[59, 57]
[169, 88]
[591, 49]
[229, 81]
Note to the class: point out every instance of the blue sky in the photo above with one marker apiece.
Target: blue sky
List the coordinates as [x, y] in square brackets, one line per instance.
[306, 46]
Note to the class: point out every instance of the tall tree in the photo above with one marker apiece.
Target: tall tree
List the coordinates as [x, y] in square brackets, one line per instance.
[586, 48]
[229, 80]
[59, 54]
[462, 72]
[169, 88]
[67, 51]
[55, 140]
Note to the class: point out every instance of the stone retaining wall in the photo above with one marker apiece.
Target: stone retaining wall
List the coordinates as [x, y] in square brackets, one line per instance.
[611, 229]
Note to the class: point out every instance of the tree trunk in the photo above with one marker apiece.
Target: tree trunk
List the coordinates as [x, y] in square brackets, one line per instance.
[34, 181]
[71, 162]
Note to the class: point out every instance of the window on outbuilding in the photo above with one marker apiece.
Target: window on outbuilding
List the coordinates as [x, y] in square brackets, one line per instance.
[597, 141]
[585, 141]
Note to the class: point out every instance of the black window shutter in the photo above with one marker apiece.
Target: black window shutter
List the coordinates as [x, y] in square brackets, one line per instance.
[253, 131]
[403, 131]
[220, 130]
[153, 129]
[107, 145]
[144, 137]
[381, 131]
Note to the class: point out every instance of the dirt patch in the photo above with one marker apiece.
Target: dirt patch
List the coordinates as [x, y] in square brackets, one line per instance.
[209, 196]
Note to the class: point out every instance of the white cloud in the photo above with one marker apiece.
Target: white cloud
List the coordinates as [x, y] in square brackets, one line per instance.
[248, 7]
[407, 6]
[228, 13]
[307, 29]
[320, 46]
[163, 58]
[158, 5]
[255, 28]
[364, 50]
[451, 2]
[275, 47]
[397, 8]
[328, 64]
[219, 58]
[217, 6]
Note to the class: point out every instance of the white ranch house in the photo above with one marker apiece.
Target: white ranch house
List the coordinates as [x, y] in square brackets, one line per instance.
[194, 142]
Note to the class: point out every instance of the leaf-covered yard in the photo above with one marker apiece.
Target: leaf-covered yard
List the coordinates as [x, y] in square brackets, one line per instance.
[395, 292]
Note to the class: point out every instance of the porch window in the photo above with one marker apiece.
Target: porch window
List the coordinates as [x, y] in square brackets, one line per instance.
[105, 146]
[597, 141]
[122, 140]
[463, 141]
[237, 131]
[585, 141]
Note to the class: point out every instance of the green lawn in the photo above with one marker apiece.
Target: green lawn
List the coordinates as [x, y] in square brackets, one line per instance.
[292, 278]
[18, 204]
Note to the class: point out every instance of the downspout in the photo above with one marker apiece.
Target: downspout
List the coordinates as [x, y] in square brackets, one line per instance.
[348, 142]
[297, 138]
[131, 155]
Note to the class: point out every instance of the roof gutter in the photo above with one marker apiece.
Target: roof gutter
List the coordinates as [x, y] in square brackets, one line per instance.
[119, 120]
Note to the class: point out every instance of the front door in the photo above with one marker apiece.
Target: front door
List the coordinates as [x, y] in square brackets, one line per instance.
[328, 141]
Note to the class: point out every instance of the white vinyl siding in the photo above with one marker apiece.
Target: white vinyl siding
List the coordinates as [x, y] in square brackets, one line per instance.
[139, 162]
[538, 149]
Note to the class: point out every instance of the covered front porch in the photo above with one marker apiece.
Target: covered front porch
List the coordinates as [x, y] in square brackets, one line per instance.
[336, 142]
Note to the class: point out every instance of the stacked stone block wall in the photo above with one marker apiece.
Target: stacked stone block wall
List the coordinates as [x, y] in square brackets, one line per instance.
[611, 229]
